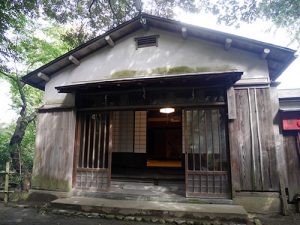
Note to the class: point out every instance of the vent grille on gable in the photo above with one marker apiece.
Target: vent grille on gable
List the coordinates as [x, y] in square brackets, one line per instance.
[146, 41]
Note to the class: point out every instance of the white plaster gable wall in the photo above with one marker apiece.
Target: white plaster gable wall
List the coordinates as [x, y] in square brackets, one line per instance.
[172, 51]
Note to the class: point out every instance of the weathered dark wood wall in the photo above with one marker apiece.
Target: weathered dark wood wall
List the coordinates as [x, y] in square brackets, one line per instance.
[292, 153]
[252, 142]
[53, 161]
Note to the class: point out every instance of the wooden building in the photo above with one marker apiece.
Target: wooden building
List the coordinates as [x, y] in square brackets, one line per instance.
[106, 115]
[290, 126]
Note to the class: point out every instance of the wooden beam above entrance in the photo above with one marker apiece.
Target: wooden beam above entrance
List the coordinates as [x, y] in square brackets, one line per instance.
[205, 79]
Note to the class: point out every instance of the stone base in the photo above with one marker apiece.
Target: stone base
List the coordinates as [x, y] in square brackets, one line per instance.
[259, 202]
[58, 194]
[164, 210]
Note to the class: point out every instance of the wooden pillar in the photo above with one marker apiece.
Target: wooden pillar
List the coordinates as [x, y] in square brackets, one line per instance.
[6, 183]
[280, 157]
[110, 148]
[233, 144]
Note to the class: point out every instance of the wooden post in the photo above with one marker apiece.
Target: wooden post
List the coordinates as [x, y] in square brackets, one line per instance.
[231, 103]
[6, 183]
[280, 157]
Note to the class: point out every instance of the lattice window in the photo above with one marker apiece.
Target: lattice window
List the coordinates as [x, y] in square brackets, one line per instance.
[93, 169]
[206, 152]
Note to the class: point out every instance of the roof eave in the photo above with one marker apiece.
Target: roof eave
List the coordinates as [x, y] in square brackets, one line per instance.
[174, 26]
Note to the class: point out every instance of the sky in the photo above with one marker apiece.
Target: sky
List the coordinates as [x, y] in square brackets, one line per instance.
[290, 78]
[6, 113]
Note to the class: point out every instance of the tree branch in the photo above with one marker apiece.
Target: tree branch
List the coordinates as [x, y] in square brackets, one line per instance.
[20, 86]
[91, 5]
[31, 116]
[12, 77]
[22, 95]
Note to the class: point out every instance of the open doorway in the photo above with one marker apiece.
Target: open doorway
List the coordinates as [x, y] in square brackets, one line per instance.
[147, 157]
[164, 139]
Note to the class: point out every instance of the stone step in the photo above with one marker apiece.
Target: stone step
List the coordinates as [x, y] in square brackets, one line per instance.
[163, 210]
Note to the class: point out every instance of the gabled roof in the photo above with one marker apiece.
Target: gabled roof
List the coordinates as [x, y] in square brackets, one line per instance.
[278, 59]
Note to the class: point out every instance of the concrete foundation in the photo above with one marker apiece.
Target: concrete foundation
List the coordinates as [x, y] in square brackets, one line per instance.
[207, 212]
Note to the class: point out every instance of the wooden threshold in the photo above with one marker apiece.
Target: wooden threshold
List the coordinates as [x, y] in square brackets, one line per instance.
[164, 163]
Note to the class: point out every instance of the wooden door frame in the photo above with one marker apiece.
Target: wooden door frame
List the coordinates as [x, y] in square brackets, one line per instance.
[77, 148]
[220, 173]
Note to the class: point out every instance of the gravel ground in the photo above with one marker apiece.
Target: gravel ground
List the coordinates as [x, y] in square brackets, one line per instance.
[32, 216]
[293, 219]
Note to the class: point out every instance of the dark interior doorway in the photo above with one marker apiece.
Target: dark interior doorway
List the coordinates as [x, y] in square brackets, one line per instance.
[164, 139]
[159, 171]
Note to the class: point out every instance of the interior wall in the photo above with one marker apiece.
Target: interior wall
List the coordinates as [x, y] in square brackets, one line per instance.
[140, 132]
[123, 131]
[129, 139]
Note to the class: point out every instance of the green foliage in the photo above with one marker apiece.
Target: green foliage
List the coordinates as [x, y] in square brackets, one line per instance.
[34, 97]
[30, 49]
[101, 15]
[13, 16]
[35, 49]
[282, 13]
[75, 36]
[5, 135]
[27, 146]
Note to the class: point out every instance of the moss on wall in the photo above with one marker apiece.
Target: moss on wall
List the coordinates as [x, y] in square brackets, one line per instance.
[50, 183]
[124, 74]
[169, 71]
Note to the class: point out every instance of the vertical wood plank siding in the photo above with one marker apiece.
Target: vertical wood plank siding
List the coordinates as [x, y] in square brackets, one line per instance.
[53, 161]
[252, 142]
[292, 153]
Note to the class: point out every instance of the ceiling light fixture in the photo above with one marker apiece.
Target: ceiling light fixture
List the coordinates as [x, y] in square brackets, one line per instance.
[167, 110]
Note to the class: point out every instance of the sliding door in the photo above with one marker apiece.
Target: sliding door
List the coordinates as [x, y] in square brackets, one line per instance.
[205, 148]
[94, 147]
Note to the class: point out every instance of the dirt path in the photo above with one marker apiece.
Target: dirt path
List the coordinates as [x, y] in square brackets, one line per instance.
[31, 216]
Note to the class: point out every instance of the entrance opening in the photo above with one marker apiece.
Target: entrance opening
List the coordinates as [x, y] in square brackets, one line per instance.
[147, 159]
[164, 145]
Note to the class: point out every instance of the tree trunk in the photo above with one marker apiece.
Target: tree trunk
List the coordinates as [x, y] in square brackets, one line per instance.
[17, 137]
[15, 142]
[24, 119]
